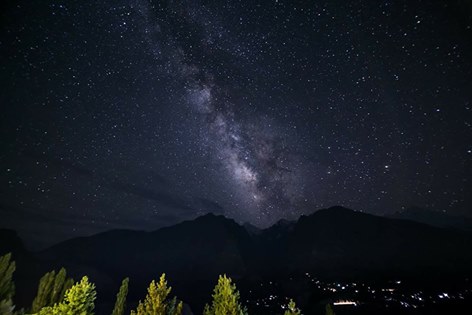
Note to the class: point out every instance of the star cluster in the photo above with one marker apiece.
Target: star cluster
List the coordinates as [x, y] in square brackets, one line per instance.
[139, 114]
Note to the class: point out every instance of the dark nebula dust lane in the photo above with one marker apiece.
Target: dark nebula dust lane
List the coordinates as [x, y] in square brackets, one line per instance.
[140, 114]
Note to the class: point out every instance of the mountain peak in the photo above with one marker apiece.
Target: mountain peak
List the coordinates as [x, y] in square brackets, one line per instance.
[210, 216]
[340, 209]
[283, 222]
[333, 211]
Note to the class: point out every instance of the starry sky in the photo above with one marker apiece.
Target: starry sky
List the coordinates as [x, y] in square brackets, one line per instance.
[143, 113]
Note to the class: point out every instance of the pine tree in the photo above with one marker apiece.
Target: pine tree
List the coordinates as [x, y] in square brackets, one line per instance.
[78, 300]
[120, 303]
[7, 287]
[329, 310]
[81, 297]
[51, 289]
[225, 299]
[58, 287]
[292, 309]
[67, 285]
[6, 307]
[156, 302]
[44, 289]
[174, 307]
[7, 268]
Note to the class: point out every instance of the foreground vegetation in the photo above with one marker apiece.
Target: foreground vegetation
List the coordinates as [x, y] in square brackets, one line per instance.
[58, 295]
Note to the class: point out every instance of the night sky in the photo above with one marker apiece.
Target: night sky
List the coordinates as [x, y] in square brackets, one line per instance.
[140, 114]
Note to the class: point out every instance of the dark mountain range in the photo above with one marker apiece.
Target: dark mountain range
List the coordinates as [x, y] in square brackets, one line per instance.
[434, 218]
[201, 249]
[334, 242]
[251, 229]
[338, 240]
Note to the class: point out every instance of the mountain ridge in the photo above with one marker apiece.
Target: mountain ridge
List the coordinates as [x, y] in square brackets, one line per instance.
[434, 218]
[333, 242]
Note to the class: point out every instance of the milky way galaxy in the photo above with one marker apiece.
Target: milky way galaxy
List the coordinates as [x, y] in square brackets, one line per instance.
[253, 154]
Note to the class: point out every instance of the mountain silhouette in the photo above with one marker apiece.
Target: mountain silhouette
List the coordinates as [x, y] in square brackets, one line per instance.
[434, 218]
[204, 247]
[342, 241]
[333, 242]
